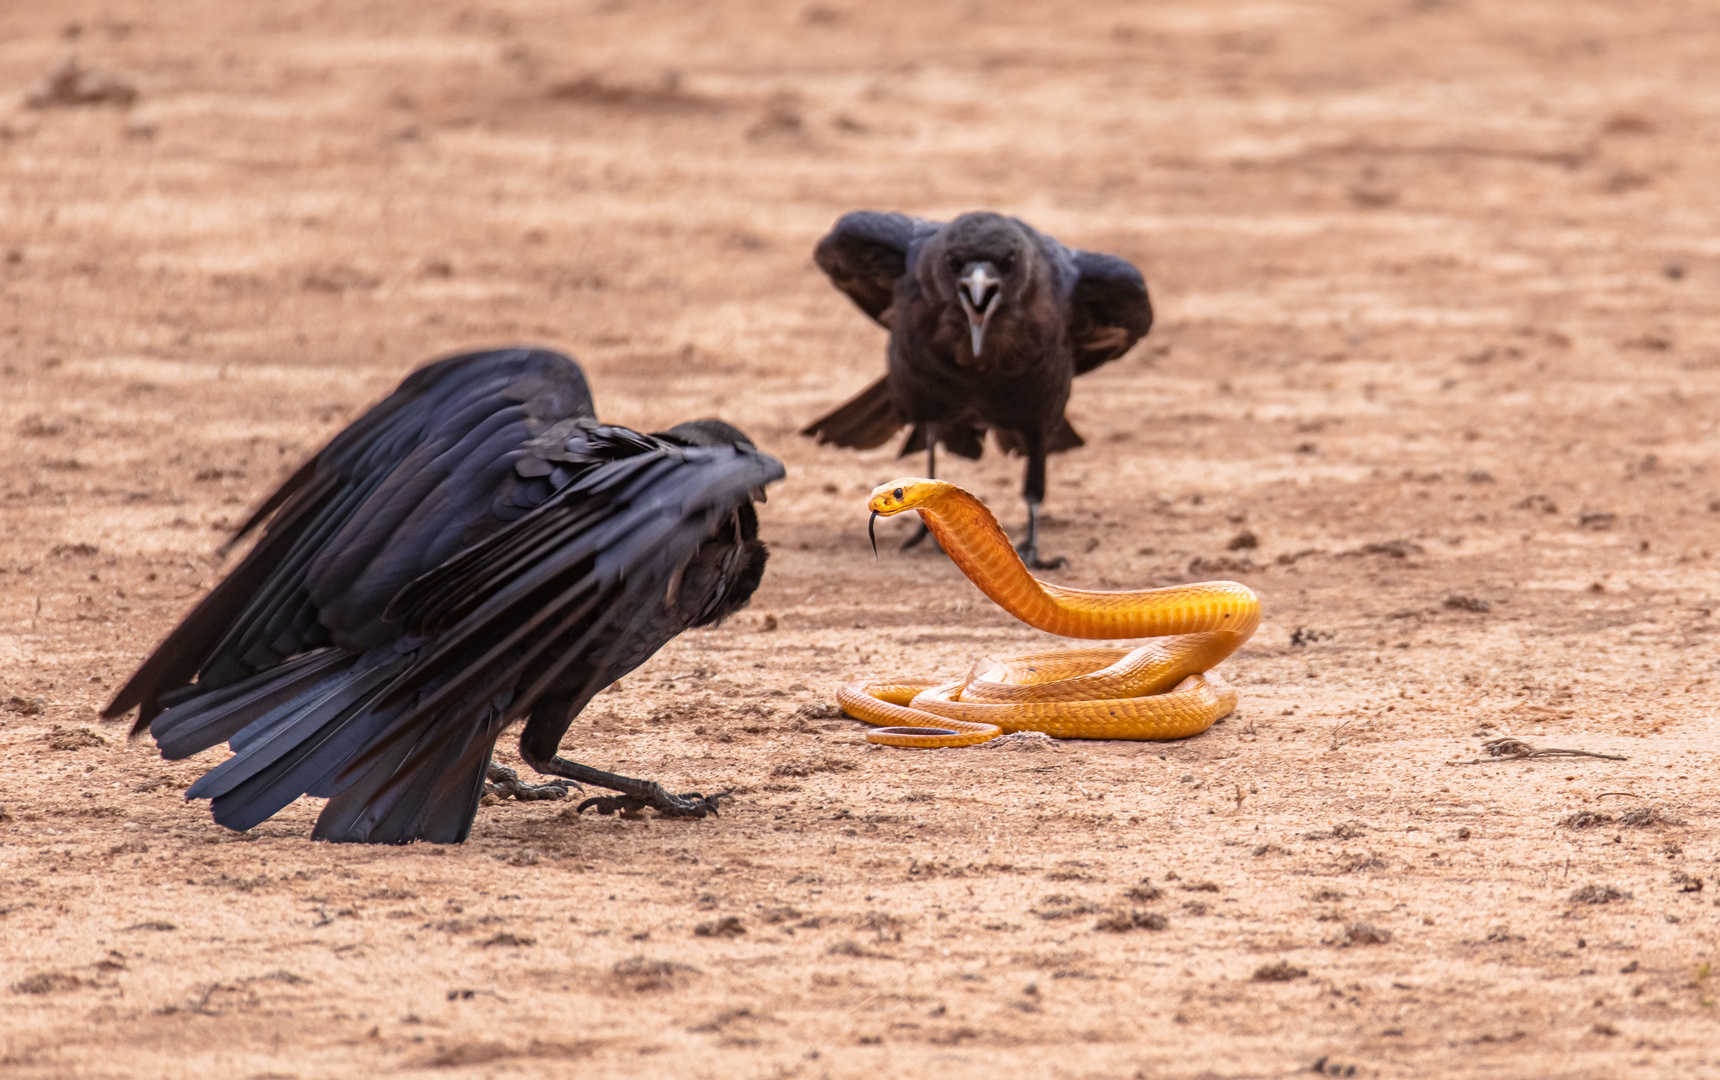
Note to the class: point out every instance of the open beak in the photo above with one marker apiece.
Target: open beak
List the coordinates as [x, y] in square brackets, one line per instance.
[979, 289]
[758, 494]
[872, 531]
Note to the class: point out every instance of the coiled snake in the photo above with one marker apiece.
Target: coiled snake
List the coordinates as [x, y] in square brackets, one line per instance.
[1161, 690]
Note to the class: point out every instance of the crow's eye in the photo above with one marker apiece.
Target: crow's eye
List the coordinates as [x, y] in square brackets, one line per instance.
[1006, 264]
[897, 493]
[955, 263]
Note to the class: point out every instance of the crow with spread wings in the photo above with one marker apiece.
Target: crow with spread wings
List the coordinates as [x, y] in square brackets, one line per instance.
[474, 550]
[989, 321]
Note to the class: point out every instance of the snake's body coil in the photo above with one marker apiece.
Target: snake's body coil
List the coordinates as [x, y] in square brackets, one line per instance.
[1160, 690]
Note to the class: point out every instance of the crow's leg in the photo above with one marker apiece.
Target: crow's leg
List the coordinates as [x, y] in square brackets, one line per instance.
[1028, 549]
[922, 532]
[635, 794]
[1033, 490]
[505, 783]
[549, 721]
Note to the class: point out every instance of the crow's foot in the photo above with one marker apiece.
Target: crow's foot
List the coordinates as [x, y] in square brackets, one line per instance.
[505, 783]
[1028, 549]
[691, 804]
[635, 795]
[1029, 553]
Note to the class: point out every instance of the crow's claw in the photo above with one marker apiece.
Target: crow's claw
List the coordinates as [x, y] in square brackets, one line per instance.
[1030, 556]
[709, 802]
[692, 804]
[504, 783]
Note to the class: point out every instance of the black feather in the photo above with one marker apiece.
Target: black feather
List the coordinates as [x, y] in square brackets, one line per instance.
[475, 548]
[1000, 358]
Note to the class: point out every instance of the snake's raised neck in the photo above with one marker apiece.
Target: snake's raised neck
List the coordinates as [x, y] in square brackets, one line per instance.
[971, 536]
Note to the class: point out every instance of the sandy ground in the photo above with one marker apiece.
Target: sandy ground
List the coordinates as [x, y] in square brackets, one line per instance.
[1438, 327]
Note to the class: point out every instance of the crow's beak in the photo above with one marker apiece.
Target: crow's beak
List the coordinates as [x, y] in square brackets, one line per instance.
[758, 494]
[980, 290]
[872, 531]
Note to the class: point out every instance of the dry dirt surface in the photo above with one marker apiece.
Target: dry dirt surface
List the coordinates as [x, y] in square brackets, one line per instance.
[1436, 372]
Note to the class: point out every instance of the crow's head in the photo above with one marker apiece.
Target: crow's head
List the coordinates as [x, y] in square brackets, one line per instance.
[713, 432]
[982, 262]
[729, 563]
[707, 432]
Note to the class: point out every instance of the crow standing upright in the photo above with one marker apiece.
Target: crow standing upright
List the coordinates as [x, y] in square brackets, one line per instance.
[989, 321]
[475, 549]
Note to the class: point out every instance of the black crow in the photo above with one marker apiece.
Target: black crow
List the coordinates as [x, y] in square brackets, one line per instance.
[989, 321]
[475, 549]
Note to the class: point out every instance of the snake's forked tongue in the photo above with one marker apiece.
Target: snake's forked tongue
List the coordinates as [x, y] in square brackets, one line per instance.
[872, 531]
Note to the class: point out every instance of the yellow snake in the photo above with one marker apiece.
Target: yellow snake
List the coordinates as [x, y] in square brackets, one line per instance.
[1158, 691]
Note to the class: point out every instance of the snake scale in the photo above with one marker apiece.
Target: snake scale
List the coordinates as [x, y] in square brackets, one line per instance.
[1160, 690]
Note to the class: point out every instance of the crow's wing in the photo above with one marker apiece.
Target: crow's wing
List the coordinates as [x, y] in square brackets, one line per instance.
[399, 751]
[426, 441]
[866, 252]
[1108, 309]
[566, 587]
[606, 547]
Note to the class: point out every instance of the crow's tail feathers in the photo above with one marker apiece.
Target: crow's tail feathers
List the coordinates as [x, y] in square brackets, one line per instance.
[1058, 439]
[415, 781]
[298, 747]
[869, 419]
[322, 725]
[1064, 438]
[195, 723]
[866, 420]
[966, 440]
[963, 440]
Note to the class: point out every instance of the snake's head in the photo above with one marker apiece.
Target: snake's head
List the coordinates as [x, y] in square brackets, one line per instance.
[908, 493]
[888, 500]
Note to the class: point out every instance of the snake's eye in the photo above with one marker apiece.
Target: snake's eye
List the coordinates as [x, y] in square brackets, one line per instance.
[897, 493]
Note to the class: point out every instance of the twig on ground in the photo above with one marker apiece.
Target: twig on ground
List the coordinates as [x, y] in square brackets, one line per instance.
[1509, 748]
[202, 1005]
